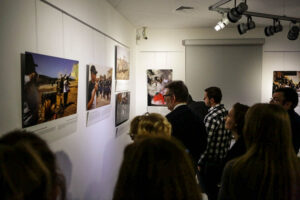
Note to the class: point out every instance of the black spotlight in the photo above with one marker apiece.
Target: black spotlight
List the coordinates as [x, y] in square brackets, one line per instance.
[250, 23]
[293, 33]
[269, 30]
[243, 28]
[235, 14]
[278, 28]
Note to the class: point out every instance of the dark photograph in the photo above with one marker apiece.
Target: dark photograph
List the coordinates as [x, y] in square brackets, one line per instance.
[122, 107]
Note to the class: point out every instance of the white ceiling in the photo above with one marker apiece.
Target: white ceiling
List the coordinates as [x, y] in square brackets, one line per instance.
[162, 14]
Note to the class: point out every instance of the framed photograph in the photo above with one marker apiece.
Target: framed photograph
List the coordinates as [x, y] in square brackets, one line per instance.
[49, 88]
[286, 79]
[156, 81]
[122, 63]
[99, 83]
[122, 107]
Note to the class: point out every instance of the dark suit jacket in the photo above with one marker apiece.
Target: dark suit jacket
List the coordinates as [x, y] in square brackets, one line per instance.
[188, 129]
[295, 124]
[199, 108]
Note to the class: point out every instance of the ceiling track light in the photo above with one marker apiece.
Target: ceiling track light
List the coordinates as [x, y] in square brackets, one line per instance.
[236, 13]
[277, 27]
[243, 28]
[293, 32]
[221, 24]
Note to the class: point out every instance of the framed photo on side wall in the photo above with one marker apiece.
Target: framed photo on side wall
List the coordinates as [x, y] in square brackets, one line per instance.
[49, 88]
[122, 107]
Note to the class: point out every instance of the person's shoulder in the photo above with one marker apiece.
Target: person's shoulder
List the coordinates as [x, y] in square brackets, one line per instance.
[229, 165]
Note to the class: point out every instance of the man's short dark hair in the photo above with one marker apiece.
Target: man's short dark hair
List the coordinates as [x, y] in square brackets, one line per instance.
[179, 90]
[215, 93]
[290, 95]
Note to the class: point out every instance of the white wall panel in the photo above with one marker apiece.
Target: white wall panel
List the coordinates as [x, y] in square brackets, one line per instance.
[49, 30]
[91, 156]
[17, 35]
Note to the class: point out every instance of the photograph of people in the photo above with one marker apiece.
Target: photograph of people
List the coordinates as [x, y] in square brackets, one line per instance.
[49, 89]
[156, 81]
[99, 86]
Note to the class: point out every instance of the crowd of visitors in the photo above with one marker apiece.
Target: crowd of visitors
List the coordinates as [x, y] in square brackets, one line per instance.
[197, 151]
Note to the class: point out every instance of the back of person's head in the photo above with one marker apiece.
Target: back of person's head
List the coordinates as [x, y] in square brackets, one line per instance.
[290, 95]
[215, 93]
[190, 99]
[270, 163]
[179, 90]
[149, 124]
[267, 126]
[239, 112]
[156, 167]
[28, 169]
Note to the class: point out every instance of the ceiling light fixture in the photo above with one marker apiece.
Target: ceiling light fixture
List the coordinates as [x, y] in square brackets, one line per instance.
[270, 30]
[236, 13]
[243, 28]
[293, 32]
[221, 24]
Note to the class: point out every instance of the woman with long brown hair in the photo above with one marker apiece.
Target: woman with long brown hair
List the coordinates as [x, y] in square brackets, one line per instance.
[156, 167]
[28, 169]
[270, 168]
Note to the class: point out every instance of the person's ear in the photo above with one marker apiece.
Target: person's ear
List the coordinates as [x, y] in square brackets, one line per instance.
[173, 98]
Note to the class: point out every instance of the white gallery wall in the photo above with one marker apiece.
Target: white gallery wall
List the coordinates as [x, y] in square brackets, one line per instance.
[278, 54]
[89, 156]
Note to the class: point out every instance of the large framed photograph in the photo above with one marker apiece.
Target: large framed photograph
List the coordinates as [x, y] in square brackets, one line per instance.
[99, 83]
[49, 88]
[122, 63]
[122, 107]
[286, 79]
[156, 81]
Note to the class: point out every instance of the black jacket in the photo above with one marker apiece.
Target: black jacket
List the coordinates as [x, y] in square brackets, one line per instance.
[188, 129]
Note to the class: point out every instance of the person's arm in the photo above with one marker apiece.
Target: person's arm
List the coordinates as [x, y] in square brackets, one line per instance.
[92, 97]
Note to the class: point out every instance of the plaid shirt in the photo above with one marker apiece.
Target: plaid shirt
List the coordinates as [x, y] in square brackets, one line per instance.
[218, 139]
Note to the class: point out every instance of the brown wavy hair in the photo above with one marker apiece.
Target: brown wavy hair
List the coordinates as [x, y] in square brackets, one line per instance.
[156, 167]
[270, 163]
[28, 169]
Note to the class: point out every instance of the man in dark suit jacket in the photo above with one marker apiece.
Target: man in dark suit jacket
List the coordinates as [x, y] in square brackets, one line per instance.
[288, 99]
[186, 126]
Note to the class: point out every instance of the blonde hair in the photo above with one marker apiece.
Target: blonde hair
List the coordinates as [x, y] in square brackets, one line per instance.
[150, 124]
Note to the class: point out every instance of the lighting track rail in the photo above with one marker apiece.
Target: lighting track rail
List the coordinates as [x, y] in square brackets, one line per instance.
[234, 14]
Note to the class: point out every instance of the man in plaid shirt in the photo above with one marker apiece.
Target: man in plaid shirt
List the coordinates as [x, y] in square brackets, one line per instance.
[218, 142]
